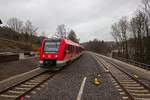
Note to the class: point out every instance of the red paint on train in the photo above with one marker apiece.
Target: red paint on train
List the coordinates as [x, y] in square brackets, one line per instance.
[58, 51]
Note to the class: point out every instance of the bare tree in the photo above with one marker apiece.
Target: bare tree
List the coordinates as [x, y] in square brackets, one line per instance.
[15, 24]
[146, 12]
[115, 33]
[119, 32]
[137, 44]
[123, 26]
[134, 42]
[117, 36]
[29, 28]
[140, 17]
[61, 31]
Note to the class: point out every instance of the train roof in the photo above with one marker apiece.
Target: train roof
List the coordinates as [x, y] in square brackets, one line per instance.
[53, 40]
[72, 43]
[66, 40]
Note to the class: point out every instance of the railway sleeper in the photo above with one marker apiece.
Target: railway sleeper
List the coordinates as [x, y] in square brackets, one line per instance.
[141, 98]
[17, 92]
[131, 85]
[25, 85]
[31, 83]
[138, 88]
[141, 94]
[137, 91]
[127, 82]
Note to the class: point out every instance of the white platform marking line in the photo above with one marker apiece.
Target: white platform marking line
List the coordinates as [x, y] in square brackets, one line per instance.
[81, 89]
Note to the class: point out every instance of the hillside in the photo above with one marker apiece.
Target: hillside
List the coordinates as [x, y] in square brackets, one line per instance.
[13, 41]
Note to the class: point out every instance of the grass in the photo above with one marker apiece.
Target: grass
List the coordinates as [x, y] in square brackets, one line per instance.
[7, 45]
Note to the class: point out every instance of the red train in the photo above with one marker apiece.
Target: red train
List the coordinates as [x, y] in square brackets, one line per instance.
[58, 51]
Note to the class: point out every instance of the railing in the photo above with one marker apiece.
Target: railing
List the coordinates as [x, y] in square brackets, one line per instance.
[139, 64]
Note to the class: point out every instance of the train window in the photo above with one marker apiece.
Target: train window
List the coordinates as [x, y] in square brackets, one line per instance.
[51, 47]
[76, 49]
[71, 48]
[67, 49]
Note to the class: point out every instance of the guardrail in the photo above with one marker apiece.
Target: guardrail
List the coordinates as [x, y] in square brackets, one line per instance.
[139, 64]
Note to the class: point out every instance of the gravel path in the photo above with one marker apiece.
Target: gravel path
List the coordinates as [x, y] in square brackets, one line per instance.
[8, 69]
[66, 84]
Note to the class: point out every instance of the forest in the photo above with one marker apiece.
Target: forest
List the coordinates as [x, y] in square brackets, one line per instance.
[132, 35]
[18, 35]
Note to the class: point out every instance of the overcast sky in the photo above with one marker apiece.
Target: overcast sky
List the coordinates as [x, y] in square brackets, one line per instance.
[89, 18]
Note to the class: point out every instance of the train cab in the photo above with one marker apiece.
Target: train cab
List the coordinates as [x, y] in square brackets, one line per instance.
[58, 51]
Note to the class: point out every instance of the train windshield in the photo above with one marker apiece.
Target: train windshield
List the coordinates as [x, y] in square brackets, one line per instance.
[51, 47]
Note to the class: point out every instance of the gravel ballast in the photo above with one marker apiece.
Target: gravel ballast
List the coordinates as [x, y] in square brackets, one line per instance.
[66, 84]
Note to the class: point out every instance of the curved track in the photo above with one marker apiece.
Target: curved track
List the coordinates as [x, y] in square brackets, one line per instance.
[128, 86]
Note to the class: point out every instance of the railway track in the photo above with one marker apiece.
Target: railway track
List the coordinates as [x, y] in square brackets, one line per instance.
[23, 88]
[129, 87]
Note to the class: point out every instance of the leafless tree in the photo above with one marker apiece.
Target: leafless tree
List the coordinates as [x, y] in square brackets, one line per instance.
[29, 28]
[123, 26]
[115, 33]
[137, 29]
[61, 30]
[119, 32]
[146, 12]
[15, 24]
[134, 35]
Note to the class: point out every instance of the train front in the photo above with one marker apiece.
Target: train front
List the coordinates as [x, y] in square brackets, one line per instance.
[49, 52]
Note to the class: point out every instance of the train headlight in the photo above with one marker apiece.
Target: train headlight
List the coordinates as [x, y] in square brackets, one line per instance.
[56, 56]
[41, 61]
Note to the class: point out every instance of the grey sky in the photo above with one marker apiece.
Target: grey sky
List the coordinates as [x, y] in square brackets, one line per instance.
[89, 18]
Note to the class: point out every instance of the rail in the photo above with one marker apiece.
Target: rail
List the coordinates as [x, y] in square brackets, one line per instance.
[132, 87]
[139, 64]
